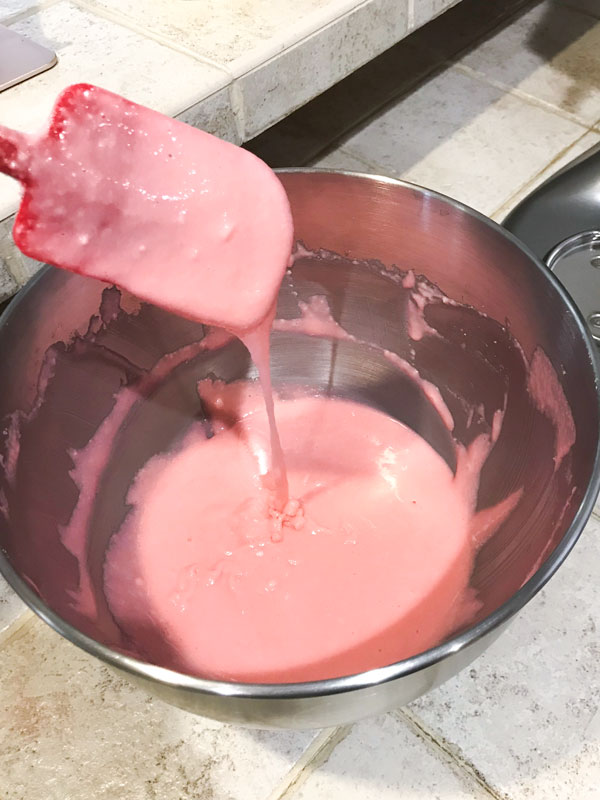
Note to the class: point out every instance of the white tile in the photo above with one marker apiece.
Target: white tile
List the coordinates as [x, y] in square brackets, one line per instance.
[72, 729]
[236, 35]
[11, 606]
[426, 10]
[464, 138]
[9, 8]
[587, 141]
[214, 115]
[527, 713]
[381, 759]
[551, 53]
[273, 90]
[94, 50]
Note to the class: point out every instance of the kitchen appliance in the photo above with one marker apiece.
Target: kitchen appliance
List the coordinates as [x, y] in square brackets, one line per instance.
[560, 223]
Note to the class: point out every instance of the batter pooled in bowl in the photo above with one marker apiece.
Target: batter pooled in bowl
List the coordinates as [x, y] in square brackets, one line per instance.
[360, 571]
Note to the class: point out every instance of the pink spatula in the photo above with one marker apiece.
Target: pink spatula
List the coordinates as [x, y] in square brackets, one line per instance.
[182, 219]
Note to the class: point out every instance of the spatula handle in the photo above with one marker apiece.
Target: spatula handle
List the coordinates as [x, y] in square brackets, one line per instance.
[14, 153]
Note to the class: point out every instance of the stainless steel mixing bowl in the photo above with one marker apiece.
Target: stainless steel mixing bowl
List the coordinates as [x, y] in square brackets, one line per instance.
[377, 228]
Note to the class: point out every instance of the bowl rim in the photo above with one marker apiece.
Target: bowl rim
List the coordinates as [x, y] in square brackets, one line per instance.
[380, 675]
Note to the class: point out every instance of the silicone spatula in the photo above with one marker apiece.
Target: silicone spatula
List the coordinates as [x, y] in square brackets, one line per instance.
[181, 218]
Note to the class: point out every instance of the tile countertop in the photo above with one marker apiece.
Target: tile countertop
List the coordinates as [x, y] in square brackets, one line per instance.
[231, 68]
[523, 722]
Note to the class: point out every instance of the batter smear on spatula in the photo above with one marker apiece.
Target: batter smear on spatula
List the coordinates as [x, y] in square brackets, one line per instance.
[178, 217]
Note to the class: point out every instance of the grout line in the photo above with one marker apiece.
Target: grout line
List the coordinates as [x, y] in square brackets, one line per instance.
[411, 15]
[313, 757]
[126, 21]
[378, 169]
[198, 105]
[372, 165]
[236, 101]
[18, 16]
[515, 92]
[195, 104]
[25, 618]
[531, 183]
[440, 744]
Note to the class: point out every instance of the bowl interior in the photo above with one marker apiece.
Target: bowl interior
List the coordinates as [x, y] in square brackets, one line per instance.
[70, 344]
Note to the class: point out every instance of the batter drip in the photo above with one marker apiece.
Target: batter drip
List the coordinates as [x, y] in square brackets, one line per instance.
[366, 572]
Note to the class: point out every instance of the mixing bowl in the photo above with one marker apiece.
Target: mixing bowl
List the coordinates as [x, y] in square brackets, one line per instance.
[66, 348]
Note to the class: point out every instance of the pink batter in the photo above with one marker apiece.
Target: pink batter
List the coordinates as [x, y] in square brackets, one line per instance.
[362, 575]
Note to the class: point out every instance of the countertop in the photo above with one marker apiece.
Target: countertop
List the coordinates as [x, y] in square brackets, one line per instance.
[231, 67]
[485, 124]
